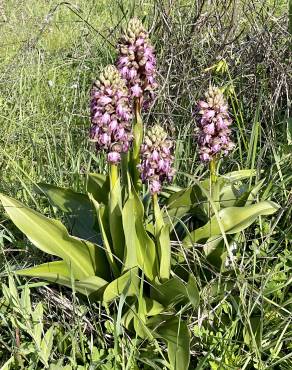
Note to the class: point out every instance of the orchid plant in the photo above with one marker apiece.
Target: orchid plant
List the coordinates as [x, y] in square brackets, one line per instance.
[119, 246]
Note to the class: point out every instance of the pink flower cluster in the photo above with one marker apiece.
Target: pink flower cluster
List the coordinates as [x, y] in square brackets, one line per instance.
[110, 115]
[156, 159]
[137, 62]
[213, 121]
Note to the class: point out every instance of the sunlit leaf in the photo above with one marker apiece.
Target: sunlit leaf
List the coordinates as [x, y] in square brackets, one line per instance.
[52, 237]
[128, 284]
[231, 220]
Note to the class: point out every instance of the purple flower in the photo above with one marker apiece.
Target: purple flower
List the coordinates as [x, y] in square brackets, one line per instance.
[137, 62]
[110, 114]
[213, 120]
[155, 186]
[113, 157]
[156, 159]
[136, 91]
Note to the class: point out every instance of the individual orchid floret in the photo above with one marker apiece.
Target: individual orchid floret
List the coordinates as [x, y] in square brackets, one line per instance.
[156, 159]
[137, 62]
[213, 122]
[110, 115]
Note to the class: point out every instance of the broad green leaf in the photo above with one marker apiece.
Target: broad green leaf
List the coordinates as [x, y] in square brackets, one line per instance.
[232, 220]
[164, 252]
[55, 272]
[52, 237]
[102, 216]
[98, 185]
[128, 284]
[76, 205]
[175, 333]
[176, 291]
[131, 238]
[59, 273]
[90, 285]
[239, 175]
[215, 251]
[115, 220]
[145, 308]
[146, 251]
[152, 307]
[162, 240]
[66, 200]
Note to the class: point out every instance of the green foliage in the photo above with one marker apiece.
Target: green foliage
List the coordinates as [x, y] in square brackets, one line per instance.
[48, 59]
[130, 256]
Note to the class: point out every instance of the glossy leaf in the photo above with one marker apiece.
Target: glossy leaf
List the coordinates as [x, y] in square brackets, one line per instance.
[90, 285]
[131, 238]
[239, 175]
[162, 241]
[115, 220]
[231, 220]
[52, 237]
[146, 251]
[59, 273]
[128, 284]
[164, 253]
[102, 216]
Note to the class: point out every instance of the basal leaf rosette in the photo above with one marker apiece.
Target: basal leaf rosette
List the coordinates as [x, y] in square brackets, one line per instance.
[213, 126]
[110, 115]
[156, 159]
[137, 61]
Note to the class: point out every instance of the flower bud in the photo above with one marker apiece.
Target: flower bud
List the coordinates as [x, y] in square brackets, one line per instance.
[213, 121]
[110, 114]
[156, 159]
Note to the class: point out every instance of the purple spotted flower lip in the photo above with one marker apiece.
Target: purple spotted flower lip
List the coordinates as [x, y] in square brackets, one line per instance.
[137, 62]
[110, 115]
[213, 122]
[156, 159]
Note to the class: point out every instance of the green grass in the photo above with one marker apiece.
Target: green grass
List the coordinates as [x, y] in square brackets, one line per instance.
[49, 54]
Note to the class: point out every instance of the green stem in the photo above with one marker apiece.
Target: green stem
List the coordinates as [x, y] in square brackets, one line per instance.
[157, 214]
[213, 171]
[124, 168]
[114, 175]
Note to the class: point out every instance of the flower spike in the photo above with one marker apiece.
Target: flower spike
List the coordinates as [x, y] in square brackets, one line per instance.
[110, 115]
[156, 159]
[137, 62]
[213, 122]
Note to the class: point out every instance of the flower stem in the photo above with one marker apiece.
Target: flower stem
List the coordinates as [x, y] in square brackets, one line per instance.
[213, 171]
[114, 175]
[157, 214]
[124, 167]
